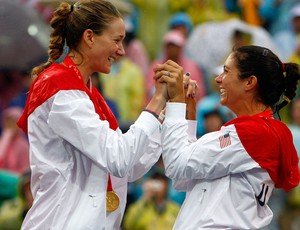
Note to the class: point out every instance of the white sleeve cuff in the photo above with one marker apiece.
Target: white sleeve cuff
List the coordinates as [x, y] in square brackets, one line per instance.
[148, 122]
[192, 130]
[175, 111]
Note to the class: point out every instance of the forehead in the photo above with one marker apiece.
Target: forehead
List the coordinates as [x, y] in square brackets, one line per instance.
[116, 28]
[230, 61]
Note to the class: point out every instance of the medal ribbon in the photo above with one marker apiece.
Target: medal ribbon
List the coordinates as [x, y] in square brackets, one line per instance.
[101, 107]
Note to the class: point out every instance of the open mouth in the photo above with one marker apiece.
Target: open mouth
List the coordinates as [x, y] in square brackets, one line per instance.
[111, 60]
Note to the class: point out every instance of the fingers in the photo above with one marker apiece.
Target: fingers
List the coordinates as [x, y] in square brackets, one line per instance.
[191, 99]
[169, 69]
[168, 65]
[164, 76]
[172, 74]
[186, 78]
[190, 85]
[192, 89]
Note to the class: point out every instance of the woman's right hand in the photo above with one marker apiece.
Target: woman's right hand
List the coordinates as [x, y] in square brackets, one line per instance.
[172, 74]
[161, 87]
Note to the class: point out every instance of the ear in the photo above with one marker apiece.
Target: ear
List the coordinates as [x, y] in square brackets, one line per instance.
[88, 37]
[251, 83]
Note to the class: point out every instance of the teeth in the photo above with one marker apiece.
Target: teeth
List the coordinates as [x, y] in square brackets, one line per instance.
[222, 91]
[111, 59]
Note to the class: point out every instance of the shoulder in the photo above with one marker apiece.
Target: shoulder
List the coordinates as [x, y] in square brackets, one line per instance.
[57, 76]
[55, 72]
[254, 129]
[53, 79]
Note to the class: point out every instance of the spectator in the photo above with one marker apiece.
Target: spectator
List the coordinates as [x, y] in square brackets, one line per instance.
[134, 48]
[20, 98]
[8, 184]
[213, 120]
[136, 188]
[182, 22]
[173, 49]
[97, 84]
[14, 210]
[287, 40]
[154, 210]
[125, 87]
[152, 17]
[14, 146]
[250, 12]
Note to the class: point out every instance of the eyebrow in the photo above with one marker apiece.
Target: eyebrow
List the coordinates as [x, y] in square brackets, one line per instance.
[119, 37]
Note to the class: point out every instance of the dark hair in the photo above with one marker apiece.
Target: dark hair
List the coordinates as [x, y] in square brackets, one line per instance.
[70, 21]
[277, 81]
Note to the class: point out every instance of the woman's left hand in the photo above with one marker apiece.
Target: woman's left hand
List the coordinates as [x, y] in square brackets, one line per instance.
[191, 91]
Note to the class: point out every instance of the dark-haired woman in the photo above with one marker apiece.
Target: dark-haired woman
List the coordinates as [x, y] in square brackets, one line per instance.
[229, 174]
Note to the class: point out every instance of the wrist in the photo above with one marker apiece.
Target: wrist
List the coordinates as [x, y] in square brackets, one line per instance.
[156, 104]
[179, 99]
[191, 114]
[152, 112]
[191, 109]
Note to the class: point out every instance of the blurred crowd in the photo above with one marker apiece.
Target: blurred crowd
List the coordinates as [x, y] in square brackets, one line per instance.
[198, 35]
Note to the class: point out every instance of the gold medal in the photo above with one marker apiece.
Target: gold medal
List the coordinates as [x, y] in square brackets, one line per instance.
[112, 201]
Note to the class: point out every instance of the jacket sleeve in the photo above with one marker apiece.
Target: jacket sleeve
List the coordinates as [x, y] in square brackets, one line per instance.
[147, 160]
[73, 118]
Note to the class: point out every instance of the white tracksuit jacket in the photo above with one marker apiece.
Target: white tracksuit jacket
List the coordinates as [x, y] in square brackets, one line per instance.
[226, 188]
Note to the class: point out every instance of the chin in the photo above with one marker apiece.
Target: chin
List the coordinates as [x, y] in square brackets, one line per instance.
[105, 71]
[222, 102]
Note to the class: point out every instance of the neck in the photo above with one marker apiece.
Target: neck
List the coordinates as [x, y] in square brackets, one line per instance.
[252, 109]
[85, 74]
[81, 66]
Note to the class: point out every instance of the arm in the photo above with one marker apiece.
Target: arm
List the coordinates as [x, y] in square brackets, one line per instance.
[191, 92]
[153, 152]
[148, 159]
[73, 118]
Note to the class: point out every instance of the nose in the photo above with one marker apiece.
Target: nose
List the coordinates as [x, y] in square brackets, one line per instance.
[121, 50]
[218, 78]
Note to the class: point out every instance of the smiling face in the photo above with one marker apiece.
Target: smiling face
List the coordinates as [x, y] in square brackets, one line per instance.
[231, 86]
[108, 47]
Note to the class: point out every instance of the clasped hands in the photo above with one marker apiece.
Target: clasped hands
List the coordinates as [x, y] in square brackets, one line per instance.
[174, 85]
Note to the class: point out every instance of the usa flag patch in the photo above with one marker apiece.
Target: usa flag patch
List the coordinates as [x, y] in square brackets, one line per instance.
[225, 140]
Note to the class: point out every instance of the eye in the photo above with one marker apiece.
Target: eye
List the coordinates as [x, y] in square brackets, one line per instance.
[119, 40]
